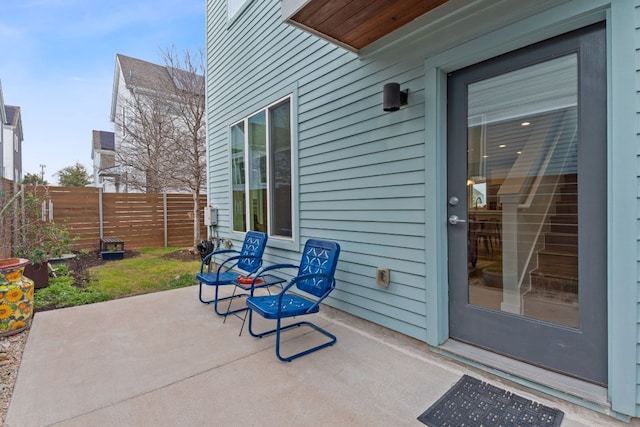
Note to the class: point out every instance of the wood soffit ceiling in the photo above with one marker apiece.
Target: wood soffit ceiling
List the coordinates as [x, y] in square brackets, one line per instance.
[358, 23]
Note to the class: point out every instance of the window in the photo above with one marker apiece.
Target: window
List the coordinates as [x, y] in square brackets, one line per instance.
[261, 171]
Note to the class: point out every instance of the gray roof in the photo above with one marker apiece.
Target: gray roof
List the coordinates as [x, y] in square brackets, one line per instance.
[13, 114]
[146, 77]
[180, 77]
[143, 74]
[13, 118]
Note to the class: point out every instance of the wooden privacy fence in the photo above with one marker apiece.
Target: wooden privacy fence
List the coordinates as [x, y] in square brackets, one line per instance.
[140, 219]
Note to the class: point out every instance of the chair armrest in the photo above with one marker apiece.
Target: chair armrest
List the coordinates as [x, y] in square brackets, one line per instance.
[205, 260]
[236, 259]
[276, 267]
[326, 294]
[269, 268]
[303, 277]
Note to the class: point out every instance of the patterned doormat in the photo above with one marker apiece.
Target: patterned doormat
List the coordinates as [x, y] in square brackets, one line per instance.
[471, 402]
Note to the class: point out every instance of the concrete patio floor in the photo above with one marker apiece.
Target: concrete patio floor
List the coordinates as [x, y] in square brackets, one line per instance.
[165, 359]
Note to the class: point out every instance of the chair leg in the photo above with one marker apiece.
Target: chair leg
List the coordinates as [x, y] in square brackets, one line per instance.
[270, 331]
[250, 328]
[215, 301]
[200, 295]
[332, 340]
[279, 328]
[236, 311]
[244, 320]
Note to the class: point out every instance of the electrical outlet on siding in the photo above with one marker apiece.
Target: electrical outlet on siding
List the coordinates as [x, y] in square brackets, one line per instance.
[382, 277]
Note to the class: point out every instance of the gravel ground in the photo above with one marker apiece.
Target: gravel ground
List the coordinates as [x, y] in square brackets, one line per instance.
[11, 348]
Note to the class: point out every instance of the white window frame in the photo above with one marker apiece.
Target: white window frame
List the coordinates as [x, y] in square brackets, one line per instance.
[247, 179]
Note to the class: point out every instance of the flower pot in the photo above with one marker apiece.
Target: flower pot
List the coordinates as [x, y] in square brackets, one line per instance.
[39, 273]
[112, 255]
[16, 296]
[62, 259]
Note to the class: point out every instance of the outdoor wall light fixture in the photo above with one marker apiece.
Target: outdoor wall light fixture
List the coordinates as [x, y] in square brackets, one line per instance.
[393, 97]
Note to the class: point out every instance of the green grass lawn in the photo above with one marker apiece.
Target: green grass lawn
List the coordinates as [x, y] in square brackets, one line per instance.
[149, 272]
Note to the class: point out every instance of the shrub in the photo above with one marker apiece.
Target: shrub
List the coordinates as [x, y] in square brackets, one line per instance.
[61, 292]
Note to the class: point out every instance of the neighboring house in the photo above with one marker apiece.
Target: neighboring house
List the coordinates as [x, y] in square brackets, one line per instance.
[103, 154]
[516, 153]
[12, 143]
[142, 88]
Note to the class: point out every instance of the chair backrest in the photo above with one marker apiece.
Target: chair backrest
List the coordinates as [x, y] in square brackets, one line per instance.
[319, 256]
[254, 244]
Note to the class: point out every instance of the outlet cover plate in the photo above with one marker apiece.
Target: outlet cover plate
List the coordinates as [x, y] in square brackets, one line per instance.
[382, 277]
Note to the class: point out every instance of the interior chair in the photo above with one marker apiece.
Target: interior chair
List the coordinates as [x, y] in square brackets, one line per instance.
[315, 277]
[232, 269]
[494, 228]
[490, 235]
[472, 241]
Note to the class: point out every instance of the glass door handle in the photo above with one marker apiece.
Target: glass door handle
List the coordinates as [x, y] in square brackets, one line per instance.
[453, 220]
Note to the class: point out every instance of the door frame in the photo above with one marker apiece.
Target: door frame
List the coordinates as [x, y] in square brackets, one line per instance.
[552, 344]
[622, 204]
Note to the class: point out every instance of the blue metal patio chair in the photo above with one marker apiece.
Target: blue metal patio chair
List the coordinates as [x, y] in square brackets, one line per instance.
[246, 262]
[315, 277]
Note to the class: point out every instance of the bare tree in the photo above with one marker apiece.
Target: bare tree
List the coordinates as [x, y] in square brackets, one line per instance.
[162, 124]
[147, 127]
[187, 72]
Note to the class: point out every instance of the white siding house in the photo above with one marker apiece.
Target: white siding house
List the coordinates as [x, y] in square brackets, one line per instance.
[103, 154]
[12, 143]
[143, 99]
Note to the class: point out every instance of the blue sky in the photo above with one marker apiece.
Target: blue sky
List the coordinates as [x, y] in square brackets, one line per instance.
[58, 59]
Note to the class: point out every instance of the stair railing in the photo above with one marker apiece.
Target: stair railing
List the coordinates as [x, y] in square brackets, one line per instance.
[521, 196]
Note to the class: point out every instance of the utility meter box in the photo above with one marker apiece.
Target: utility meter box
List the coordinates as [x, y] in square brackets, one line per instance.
[210, 216]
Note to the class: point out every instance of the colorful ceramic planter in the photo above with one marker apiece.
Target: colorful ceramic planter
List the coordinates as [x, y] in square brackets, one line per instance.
[16, 296]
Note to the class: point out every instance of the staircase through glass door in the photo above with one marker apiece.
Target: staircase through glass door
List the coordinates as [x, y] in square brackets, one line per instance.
[522, 193]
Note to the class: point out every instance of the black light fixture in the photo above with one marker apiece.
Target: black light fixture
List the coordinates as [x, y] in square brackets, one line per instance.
[393, 97]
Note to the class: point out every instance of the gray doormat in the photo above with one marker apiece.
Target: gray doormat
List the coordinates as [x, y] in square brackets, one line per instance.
[471, 402]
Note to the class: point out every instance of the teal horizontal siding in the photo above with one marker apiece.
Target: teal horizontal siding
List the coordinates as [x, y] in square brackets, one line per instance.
[394, 323]
[391, 192]
[360, 176]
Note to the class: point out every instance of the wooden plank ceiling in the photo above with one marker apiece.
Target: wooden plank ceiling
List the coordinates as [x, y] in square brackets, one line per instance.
[357, 23]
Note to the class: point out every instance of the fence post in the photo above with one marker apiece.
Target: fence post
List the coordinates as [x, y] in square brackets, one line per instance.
[166, 221]
[19, 216]
[100, 218]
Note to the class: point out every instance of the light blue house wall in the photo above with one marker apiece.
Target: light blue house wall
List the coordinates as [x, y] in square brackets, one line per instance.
[360, 170]
[376, 181]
